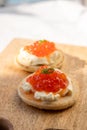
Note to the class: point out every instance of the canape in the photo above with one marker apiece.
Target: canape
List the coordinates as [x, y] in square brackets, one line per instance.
[41, 52]
[48, 88]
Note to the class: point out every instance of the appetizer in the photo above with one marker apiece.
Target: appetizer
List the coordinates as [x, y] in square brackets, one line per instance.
[48, 88]
[41, 52]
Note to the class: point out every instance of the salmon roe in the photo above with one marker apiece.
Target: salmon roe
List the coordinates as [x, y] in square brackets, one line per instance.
[41, 48]
[48, 80]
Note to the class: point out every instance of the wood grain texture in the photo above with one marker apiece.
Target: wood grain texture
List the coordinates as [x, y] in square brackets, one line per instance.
[24, 117]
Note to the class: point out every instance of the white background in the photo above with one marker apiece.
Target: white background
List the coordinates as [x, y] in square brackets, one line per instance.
[60, 21]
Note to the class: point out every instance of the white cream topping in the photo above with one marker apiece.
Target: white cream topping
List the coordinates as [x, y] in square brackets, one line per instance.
[46, 97]
[28, 59]
[26, 86]
[70, 84]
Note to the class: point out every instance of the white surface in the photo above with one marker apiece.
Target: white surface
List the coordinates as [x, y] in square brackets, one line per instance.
[59, 21]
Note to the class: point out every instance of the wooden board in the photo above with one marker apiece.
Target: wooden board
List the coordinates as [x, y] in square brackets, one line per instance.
[24, 117]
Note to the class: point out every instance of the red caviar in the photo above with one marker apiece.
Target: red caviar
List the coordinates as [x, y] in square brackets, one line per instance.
[48, 80]
[41, 48]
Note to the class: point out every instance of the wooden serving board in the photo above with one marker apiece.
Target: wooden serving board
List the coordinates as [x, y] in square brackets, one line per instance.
[24, 117]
